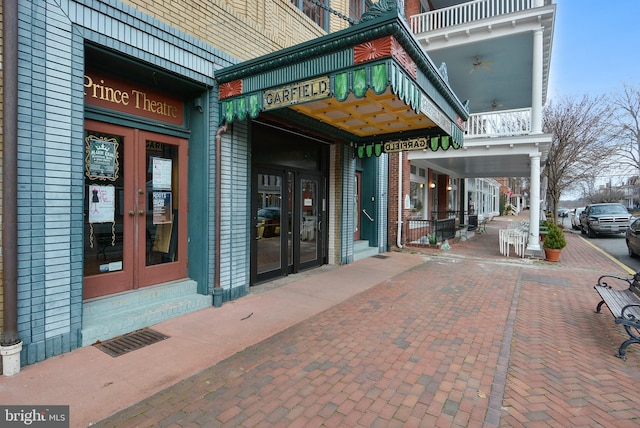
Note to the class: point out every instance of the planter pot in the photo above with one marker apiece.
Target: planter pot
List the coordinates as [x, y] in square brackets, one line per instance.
[11, 359]
[552, 255]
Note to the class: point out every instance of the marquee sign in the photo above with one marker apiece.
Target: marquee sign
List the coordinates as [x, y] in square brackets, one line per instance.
[296, 93]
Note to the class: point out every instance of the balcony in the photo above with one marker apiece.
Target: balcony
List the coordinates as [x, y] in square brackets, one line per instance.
[469, 12]
[504, 123]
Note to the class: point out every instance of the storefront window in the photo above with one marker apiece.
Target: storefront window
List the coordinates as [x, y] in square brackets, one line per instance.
[417, 200]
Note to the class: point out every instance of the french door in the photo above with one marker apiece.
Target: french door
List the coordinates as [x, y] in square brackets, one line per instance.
[288, 223]
[135, 222]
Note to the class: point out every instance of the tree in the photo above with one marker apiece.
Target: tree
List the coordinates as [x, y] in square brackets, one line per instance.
[626, 126]
[580, 146]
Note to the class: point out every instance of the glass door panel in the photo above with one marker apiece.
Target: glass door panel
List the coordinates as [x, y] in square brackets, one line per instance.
[310, 220]
[268, 224]
[162, 207]
[108, 205]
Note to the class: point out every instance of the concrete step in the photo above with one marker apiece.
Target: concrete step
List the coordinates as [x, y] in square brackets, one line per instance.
[362, 250]
[111, 316]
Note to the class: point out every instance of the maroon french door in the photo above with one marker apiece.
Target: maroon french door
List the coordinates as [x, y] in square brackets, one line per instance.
[135, 209]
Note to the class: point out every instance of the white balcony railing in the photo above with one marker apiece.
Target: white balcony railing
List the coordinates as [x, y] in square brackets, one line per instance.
[505, 123]
[468, 12]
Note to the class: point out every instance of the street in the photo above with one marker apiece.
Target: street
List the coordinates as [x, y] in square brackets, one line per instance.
[613, 244]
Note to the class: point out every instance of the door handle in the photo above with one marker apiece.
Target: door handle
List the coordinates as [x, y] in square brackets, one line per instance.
[367, 214]
[141, 212]
[132, 213]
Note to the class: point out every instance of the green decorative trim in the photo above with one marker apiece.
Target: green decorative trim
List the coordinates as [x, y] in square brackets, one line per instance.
[379, 78]
[381, 8]
[444, 142]
[228, 111]
[369, 150]
[242, 108]
[378, 149]
[254, 105]
[434, 144]
[341, 86]
[360, 82]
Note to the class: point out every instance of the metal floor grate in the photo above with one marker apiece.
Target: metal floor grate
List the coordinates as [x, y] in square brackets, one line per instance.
[130, 342]
[380, 256]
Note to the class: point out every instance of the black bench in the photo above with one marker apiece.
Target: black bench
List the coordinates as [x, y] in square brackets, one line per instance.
[624, 304]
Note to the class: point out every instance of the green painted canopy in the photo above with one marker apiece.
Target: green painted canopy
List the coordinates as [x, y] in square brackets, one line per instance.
[369, 84]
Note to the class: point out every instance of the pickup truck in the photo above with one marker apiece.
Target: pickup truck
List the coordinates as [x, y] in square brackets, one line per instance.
[606, 218]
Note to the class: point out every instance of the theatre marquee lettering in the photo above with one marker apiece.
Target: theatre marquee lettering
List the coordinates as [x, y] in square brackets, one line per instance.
[296, 93]
[402, 145]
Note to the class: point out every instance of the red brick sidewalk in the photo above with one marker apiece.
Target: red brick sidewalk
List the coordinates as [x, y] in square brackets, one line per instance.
[468, 338]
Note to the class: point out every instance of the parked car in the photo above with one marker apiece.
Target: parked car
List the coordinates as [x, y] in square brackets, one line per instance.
[268, 222]
[606, 218]
[632, 237]
[563, 212]
[575, 218]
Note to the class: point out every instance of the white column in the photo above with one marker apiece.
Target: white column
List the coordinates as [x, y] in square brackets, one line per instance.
[536, 84]
[534, 209]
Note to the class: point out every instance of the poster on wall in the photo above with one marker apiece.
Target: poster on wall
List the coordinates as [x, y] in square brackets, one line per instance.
[162, 208]
[101, 204]
[102, 158]
[161, 173]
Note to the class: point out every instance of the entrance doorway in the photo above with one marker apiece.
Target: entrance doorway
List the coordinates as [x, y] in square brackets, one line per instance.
[289, 211]
[135, 209]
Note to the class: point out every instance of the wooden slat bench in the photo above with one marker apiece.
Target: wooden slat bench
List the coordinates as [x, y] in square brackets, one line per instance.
[624, 304]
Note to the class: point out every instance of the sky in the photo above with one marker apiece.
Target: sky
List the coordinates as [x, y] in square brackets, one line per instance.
[596, 47]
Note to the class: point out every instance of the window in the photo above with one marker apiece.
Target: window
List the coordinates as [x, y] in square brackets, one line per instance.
[315, 11]
[357, 8]
[417, 199]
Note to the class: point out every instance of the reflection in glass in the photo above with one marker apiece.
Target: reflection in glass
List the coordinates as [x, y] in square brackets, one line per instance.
[269, 205]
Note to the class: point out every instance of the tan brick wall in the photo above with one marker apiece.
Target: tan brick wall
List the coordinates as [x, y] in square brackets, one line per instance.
[244, 29]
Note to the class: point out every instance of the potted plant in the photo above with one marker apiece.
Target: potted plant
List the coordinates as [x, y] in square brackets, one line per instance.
[554, 243]
[433, 239]
[509, 209]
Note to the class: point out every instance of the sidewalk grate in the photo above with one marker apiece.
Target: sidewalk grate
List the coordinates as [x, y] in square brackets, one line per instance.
[130, 342]
[380, 256]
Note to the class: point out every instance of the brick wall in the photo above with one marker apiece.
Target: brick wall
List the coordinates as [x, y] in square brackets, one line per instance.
[411, 7]
[245, 28]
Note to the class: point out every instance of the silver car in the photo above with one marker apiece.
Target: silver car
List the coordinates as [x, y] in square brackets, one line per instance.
[605, 218]
[632, 236]
[575, 218]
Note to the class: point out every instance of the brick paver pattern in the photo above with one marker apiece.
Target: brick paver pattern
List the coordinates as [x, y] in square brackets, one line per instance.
[461, 340]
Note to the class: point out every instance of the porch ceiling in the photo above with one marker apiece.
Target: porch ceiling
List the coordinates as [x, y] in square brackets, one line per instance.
[480, 158]
[373, 115]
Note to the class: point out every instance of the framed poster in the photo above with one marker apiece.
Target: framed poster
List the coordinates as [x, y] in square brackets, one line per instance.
[101, 162]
